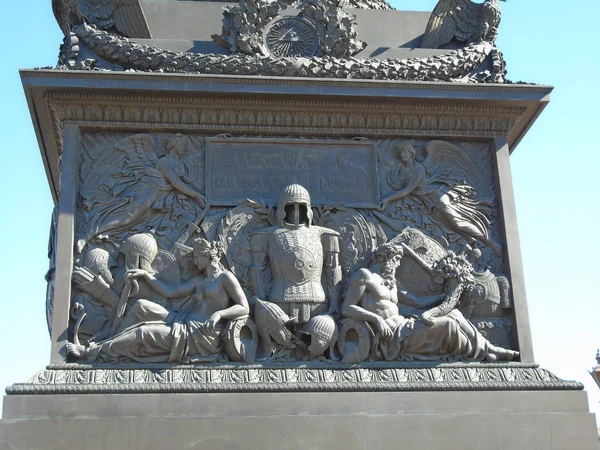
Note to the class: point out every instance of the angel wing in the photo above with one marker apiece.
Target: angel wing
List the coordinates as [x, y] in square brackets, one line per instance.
[443, 156]
[126, 16]
[66, 16]
[127, 157]
[453, 18]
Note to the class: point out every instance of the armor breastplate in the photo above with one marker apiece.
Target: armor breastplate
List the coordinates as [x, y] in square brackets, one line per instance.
[296, 258]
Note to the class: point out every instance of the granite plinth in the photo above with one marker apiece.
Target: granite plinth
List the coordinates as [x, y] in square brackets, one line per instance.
[357, 420]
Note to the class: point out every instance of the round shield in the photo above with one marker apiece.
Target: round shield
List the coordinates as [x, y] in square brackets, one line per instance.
[355, 341]
[241, 340]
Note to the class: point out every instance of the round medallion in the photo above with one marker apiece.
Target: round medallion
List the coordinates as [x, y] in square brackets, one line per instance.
[298, 264]
[479, 293]
[291, 36]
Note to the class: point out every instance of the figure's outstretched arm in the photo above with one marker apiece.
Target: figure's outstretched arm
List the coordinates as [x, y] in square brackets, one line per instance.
[408, 298]
[162, 289]
[178, 183]
[455, 290]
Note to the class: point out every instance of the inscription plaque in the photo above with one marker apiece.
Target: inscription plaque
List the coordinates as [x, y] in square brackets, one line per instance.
[334, 172]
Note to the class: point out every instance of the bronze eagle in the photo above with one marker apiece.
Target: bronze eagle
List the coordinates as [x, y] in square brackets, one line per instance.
[124, 16]
[463, 20]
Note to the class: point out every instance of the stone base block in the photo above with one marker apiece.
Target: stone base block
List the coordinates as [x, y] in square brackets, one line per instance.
[475, 420]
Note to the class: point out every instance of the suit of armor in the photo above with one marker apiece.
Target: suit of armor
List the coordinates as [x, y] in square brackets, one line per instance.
[299, 255]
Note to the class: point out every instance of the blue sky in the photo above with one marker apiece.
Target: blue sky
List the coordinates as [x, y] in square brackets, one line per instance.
[555, 172]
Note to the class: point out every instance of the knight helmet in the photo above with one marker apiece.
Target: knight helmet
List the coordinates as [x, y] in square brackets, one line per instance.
[99, 262]
[323, 334]
[271, 320]
[297, 196]
[139, 251]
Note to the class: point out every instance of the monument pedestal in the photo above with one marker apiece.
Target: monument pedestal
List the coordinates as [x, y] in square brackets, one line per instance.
[225, 189]
[294, 404]
[349, 420]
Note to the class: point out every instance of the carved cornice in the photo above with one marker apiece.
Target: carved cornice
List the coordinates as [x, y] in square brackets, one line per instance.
[308, 104]
[277, 117]
[265, 80]
[79, 379]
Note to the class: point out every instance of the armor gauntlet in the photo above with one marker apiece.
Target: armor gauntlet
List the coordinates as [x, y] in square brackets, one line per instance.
[333, 270]
[259, 245]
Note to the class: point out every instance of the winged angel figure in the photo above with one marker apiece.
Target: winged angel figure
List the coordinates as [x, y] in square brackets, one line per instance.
[431, 190]
[129, 185]
[124, 16]
[463, 20]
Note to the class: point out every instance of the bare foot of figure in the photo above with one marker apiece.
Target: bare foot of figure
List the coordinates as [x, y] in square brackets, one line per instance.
[500, 354]
[77, 350]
